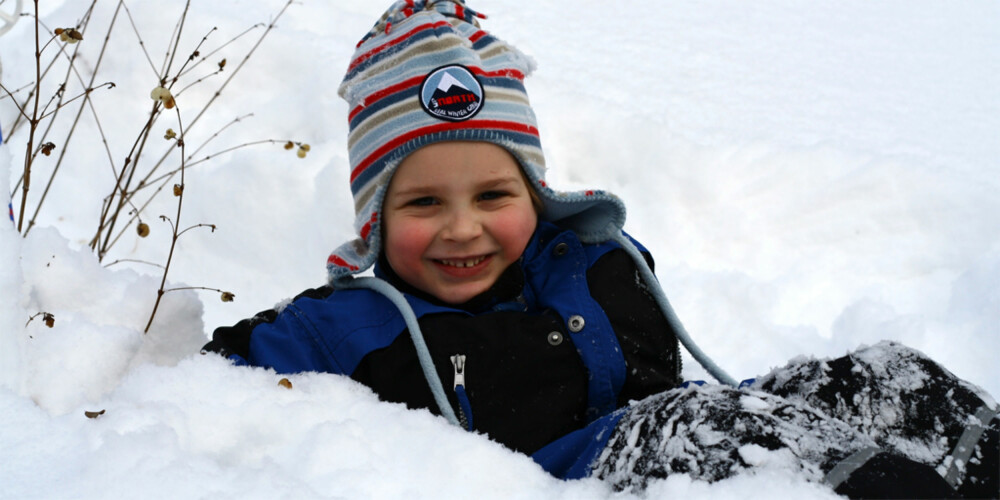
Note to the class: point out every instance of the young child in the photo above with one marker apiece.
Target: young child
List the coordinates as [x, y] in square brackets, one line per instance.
[527, 315]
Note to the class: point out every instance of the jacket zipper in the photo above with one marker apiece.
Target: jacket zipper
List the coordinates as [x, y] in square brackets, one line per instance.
[464, 407]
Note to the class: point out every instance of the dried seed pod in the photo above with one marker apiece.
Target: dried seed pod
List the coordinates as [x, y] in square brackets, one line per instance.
[163, 95]
[301, 153]
[47, 148]
[287, 384]
[289, 145]
[222, 64]
[58, 31]
[305, 147]
[49, 320]
[170, 134]
[228, 296]
[93, 414]
[142, 229]
[178, 189]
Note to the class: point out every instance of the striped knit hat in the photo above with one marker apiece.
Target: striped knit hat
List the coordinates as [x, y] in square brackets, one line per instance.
[427, 73]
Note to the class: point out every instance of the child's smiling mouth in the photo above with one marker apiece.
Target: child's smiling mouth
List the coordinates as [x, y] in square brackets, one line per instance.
[464, 266]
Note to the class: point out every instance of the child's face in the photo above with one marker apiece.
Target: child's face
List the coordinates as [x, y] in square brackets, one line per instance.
[456, 215]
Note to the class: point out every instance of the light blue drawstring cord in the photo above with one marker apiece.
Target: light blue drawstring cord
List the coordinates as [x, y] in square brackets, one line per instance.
[668, 311]
[424, 355]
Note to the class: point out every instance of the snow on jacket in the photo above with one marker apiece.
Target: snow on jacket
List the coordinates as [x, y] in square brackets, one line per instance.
[565, 337]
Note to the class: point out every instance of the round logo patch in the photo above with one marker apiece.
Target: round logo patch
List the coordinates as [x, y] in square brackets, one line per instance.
[451, 93]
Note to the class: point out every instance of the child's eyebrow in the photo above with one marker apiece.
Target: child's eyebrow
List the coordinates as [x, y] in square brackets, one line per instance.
[414, 191]
[499, 182]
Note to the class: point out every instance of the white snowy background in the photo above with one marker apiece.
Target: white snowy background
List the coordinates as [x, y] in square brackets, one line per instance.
[810, 177]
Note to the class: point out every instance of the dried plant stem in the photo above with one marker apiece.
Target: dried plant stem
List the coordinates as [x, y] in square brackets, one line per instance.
[62, 153]
[193, 288]
[121, 185]
[58, 95]
[89, 87]
[20, 110]
[33, 125]
[174, 226]
[176, 71]
[222, 87]
[135, 29]
[176, 39]
[57, 101]
[123, 189]
[220, 47]
[31, 94]
[106, 223]
[46, 316]
[134, 260]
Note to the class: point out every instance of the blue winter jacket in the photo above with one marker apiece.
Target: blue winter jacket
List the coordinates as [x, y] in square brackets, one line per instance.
[564, 304]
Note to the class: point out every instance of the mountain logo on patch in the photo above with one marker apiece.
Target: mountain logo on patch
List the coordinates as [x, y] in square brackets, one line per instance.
[451, 93]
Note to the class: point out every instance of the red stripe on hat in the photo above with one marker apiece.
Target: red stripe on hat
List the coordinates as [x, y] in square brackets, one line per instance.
[367, 55]
[477, 35]
[509, 73]
[337, 261]
[392, 89]
[367, 228]
[459, 11]
[441, 127]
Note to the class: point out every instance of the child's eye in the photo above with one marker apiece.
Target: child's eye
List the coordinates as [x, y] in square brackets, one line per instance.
[424, 201]
[492, 195]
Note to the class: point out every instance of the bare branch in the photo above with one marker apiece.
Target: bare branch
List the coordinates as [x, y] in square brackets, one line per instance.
[220, 47]
[85, 93]
[210, 226]
[176, 235]
[134, 260]
[135, 30]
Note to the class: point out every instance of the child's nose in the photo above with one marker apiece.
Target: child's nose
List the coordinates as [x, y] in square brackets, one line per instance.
[463, 225]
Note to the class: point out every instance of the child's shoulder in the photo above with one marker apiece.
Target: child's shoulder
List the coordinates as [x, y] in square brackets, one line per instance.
[553, 241]
[352, 308]
[342, 305]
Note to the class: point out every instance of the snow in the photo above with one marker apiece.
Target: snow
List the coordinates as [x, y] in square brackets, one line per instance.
[808, 180]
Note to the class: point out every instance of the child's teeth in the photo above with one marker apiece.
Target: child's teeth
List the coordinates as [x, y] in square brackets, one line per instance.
[463, 263]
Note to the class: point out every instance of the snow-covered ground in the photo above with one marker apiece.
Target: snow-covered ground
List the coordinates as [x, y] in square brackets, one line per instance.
[809, 176]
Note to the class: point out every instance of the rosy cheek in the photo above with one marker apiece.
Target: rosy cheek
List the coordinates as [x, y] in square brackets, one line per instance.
[406, 244]
[517, 233]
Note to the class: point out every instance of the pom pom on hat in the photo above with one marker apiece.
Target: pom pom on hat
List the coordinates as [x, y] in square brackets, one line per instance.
[427, 73]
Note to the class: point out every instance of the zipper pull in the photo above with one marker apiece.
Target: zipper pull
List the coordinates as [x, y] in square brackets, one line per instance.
[464, 406]
[458, 361]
